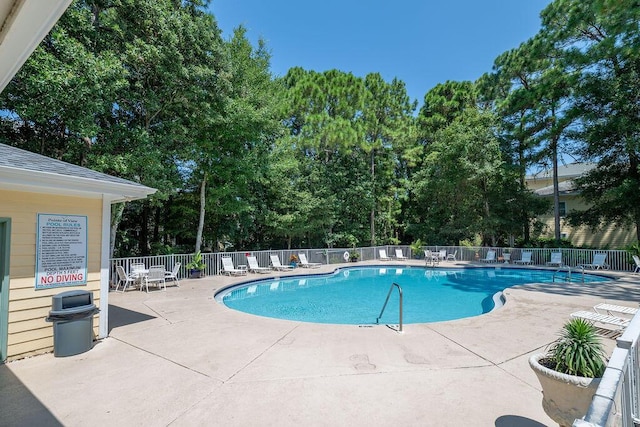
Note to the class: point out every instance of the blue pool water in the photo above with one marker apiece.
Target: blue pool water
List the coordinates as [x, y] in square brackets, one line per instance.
[356, 295]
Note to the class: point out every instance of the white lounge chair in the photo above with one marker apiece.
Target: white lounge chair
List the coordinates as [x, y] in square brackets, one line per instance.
[452, 257]
[275, 263]
[525, 259]
[306, 264]
[491, 256]
[636, 260]
[173, 274]
[556, 260]
[400, 255]
[254, 267]
[383, 255]
[154, 276]
[124, 279]
[229, 269]
[597, 263]
[602, 318]
[613, 308]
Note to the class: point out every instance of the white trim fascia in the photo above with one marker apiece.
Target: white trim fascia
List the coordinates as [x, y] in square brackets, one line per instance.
[23, 179]
[27, 24]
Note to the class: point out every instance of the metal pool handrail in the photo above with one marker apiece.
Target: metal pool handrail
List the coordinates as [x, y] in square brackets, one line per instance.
[567, 277]
[387, 300]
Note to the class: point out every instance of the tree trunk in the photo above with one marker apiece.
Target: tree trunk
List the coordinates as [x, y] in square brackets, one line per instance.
[526, 231]
[556, 195]
[203, 192]
[373, 196]
[156, 225]
[116, 217]
[143, 239]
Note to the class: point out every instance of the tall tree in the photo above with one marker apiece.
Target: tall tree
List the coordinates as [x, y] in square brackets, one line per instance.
[234, 140]
[461, 186]
[535, 110]
[600, 40]
[386, 120]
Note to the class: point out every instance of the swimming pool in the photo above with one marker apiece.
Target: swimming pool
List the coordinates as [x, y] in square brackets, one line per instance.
[355, 295]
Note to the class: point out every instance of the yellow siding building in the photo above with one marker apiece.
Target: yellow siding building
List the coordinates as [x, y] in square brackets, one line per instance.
[32, 186]
[611, 236]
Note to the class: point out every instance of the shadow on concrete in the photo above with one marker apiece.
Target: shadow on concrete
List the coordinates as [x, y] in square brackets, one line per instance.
[18, 407]
[616, 290]
[119, 316]
[516, 421]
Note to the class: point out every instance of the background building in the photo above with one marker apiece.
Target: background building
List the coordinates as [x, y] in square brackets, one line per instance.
[612, 236]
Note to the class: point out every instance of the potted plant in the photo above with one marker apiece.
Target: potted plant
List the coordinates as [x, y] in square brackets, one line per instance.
[570, 371]
[293, 260]
[196, 266]
[416, 249]
[353, 256]
[506, 255]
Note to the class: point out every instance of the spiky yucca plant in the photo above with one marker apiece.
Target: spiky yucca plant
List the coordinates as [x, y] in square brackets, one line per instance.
[578, 351]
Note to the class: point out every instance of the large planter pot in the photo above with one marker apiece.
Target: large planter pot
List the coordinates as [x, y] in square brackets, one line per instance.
[196, 274]
[565, 398]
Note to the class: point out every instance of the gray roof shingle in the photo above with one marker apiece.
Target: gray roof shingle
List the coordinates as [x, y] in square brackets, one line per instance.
[570, 170]
[21, 159]
[564, 188]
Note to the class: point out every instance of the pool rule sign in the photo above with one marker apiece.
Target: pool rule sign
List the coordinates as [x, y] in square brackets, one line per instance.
[61, 256]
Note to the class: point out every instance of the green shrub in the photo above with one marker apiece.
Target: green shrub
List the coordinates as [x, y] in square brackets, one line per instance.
[578, 351]
[633, 249]
[196, 262]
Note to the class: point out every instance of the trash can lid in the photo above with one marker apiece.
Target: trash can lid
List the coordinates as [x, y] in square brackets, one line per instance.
[72, 313]
[70, 299]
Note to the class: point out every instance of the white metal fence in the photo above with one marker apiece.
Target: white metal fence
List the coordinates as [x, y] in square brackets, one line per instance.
[618, 260]
[616, 402]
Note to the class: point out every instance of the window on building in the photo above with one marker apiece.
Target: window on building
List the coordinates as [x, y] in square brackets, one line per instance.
[562, 209]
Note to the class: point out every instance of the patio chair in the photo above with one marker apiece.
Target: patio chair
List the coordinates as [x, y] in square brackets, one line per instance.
[400, 255]
[597, 263]
[383, 255]
[275, 263]
[452, 257]
[525, 259]
[636, 260]
[306, 264]
[442, 254]
[137, 266]
[229, 269]
[124, 279]
[173, 274]
[431, 257]
[154, 276]
[556, 260]
[491, 256]
[254, 267]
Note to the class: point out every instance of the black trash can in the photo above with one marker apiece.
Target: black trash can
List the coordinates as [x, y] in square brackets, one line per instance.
[72, 316]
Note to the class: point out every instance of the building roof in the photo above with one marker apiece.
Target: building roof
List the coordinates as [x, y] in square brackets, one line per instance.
[23, 25]
[27, 171]
[570, 170]
[564, 188]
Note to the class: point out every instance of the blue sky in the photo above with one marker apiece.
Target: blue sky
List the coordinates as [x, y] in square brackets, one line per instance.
[420, 42]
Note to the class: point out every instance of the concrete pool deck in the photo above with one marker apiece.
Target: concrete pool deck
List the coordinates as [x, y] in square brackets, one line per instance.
[179, 358]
